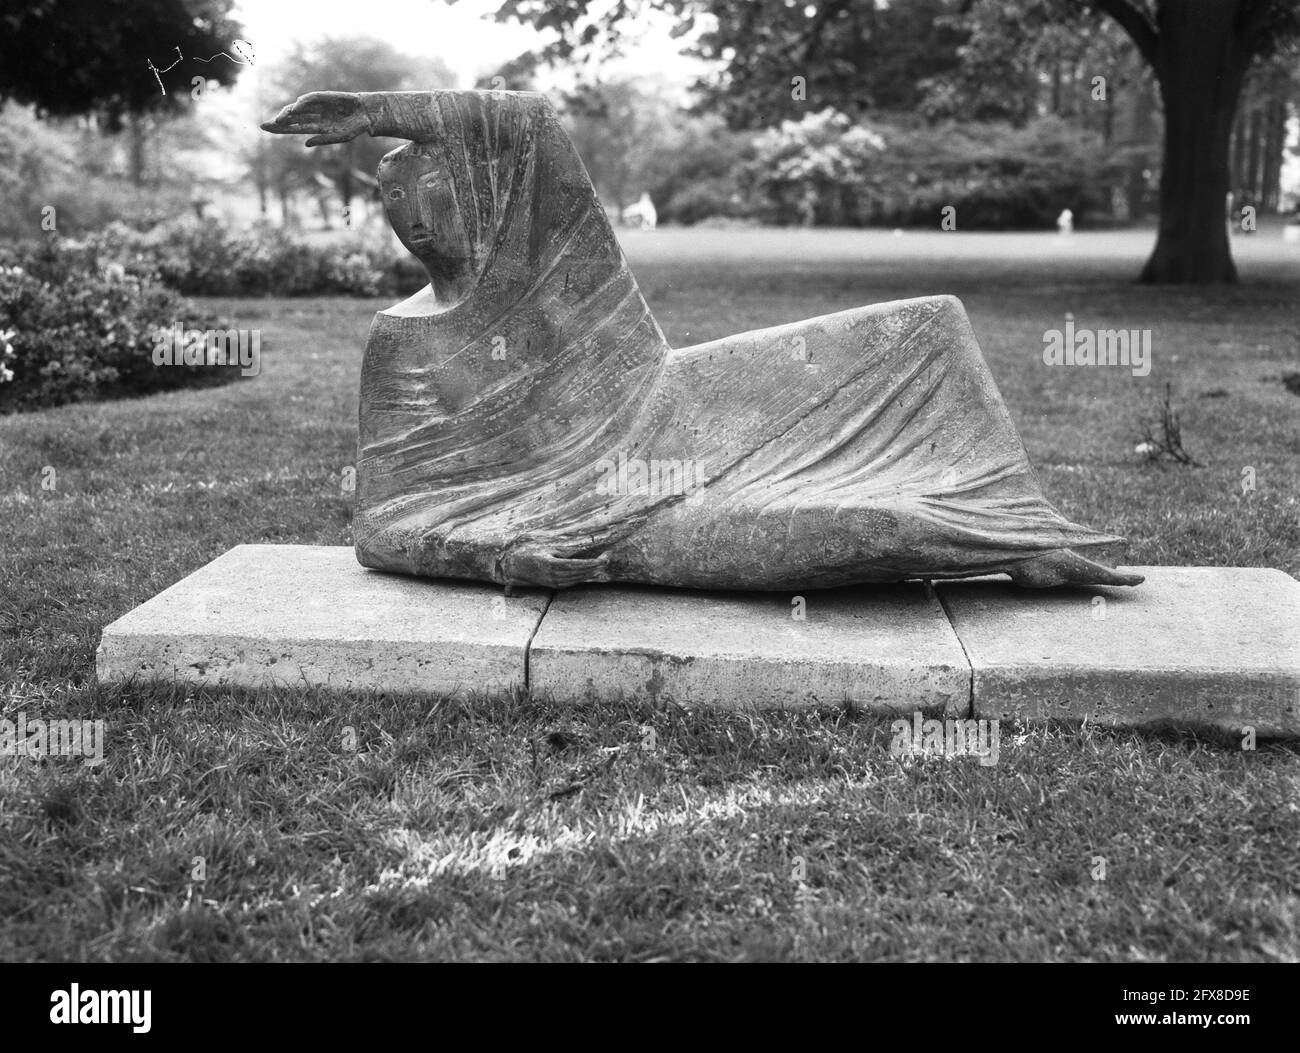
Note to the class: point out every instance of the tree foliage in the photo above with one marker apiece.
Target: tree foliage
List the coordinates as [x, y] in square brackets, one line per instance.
[76, 57]
[976, 59]
[616, 126]
[979, 59]
[827, 169]
[856, 55]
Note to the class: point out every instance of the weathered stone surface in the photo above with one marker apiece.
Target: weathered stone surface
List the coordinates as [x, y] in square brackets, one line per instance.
[1195, 646]
[306, 615]
[887, 648]
[1199, 647]
[524, 421]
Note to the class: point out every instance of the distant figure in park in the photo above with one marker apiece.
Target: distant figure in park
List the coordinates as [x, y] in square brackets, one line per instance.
[642, 213]
[1065, 223]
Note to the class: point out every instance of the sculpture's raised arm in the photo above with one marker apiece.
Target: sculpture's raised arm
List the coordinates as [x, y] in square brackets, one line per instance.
[338, 116]
[403, 114]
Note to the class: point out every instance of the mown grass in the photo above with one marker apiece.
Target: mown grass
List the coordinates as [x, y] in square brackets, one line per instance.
[524, 829]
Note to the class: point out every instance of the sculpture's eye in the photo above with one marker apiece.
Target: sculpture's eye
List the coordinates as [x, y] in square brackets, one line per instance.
[396, 194]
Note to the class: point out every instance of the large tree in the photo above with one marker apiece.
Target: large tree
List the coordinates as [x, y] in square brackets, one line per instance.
[74, 57]
[858, 54]
[1200, 51]
[123, 61]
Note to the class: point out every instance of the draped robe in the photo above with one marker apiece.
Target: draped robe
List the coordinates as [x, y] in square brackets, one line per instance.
[869, 445]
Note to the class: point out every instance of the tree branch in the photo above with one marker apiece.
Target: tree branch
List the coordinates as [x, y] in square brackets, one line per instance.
[1135, 23]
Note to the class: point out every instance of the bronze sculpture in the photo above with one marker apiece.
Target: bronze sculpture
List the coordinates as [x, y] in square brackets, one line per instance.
[524, 421]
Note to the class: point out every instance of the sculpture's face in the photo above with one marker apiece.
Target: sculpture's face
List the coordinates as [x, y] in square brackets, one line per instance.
[420, 200]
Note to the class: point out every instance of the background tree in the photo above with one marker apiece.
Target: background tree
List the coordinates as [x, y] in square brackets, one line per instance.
[860, 55]
[1021, 61]
[79, 57]
[701, 171]
[518, 74]
[1200, 52]
[617, 126]
[341, 64]
[1271, 93]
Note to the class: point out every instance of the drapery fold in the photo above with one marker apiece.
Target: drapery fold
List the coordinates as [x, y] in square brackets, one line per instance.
[869, 445]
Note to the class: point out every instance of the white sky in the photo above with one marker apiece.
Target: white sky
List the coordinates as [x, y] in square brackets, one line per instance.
[462, 34]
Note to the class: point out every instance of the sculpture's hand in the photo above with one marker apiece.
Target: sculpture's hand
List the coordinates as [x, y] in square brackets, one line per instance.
[334, 117]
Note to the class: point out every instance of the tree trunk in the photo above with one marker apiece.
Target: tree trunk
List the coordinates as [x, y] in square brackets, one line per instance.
[1140, 130]
[1200, 69]
[260, 179]
[347, 187]
[1254, 159]
[1108, 122]
[1237, 159]
[288, 216]
[1275, 140]
[137, 143]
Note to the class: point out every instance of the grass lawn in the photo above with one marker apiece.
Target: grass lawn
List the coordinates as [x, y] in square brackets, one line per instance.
[236, 826]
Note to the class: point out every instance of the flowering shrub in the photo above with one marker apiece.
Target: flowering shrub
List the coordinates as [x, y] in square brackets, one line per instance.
[829, 170]
[817, 170]
[71, 331]
[209, 259]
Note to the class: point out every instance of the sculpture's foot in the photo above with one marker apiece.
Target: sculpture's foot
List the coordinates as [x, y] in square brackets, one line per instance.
[528, 566]
[1064, 566]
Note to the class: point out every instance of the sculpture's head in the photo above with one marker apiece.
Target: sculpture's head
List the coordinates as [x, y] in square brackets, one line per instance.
[489, 186]
[420, 197]
[489, 189]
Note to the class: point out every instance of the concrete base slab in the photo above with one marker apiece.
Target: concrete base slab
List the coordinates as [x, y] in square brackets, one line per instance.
[887, 648]
[295, 615]
[1194, 646]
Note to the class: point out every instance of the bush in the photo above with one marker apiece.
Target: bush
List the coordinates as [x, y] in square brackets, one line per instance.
[208, 259]
[709, 199]
[814, 171]
[828, 170]
[697, 174]
[56, 175]
[72, 330]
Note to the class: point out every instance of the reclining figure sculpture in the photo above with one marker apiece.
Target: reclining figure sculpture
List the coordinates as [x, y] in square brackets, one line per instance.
[524, 421]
